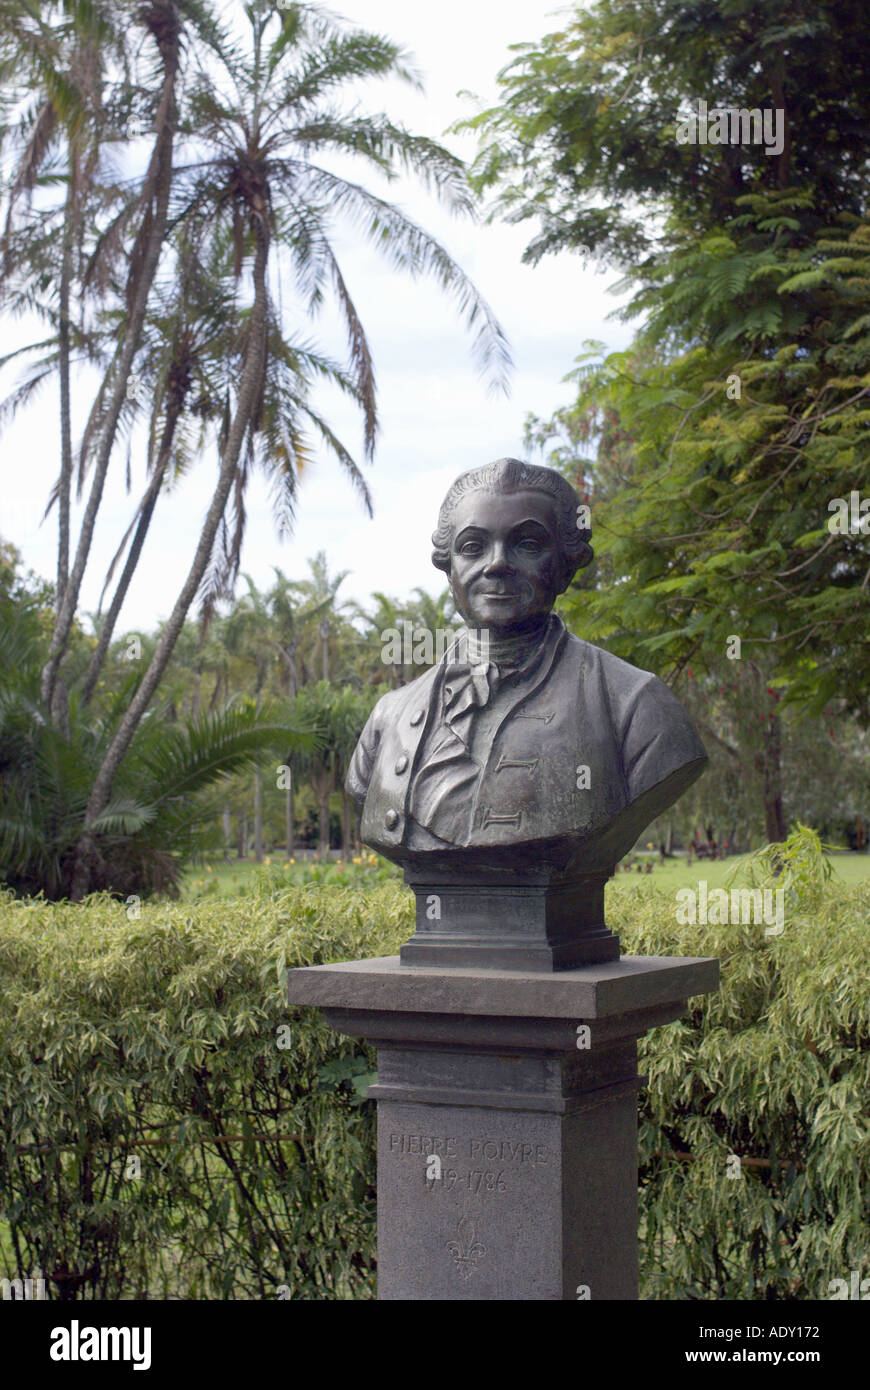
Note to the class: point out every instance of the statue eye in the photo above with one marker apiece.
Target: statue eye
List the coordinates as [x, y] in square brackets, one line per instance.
[530, 544]
[470, 548]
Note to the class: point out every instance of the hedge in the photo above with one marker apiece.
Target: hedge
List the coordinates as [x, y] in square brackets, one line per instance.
[163, 1136]
[159, 1137]
[773, 1070]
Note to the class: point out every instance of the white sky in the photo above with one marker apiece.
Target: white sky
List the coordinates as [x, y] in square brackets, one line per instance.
[437, 416]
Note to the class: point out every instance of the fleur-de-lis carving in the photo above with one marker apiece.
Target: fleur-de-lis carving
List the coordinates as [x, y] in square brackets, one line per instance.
[467, 1251]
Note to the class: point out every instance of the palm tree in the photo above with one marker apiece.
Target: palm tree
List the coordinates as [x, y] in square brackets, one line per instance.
[433, 613]
[257, 187]
[248, 632]
[158, 816]
[389, 615]
[178, 367]
[338, 715]
[52, 80]
[165, 22]
[319, 614]
[281, 112]
[286, 617]
[386, 615]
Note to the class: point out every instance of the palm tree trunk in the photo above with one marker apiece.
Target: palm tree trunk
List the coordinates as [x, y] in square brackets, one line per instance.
[289, 829]
[246, 407]
[59, 698]
[226, 825]
[149, 502]
[144, 259]
[243, 835]
[321, 782]
[774, 810]
[292, 673]
[63, 495]
[346, 827]
[323, 826]
[258, 815]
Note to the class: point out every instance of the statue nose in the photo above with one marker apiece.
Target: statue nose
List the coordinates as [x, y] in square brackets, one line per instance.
[497, 563]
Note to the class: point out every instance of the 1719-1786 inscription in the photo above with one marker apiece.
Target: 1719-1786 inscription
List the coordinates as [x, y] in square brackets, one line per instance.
[472, 1170]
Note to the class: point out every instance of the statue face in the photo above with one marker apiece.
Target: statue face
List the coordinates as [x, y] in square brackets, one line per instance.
[506, 563]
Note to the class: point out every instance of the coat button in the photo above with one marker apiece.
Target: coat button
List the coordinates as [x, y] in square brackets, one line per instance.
[417, 716]
[402, 763]
[391, 820]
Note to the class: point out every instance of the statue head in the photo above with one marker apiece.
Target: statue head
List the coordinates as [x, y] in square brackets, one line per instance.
[508, 539]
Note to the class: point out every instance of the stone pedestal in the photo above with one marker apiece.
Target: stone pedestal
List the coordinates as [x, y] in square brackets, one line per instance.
[522, 918]
[507, 1118]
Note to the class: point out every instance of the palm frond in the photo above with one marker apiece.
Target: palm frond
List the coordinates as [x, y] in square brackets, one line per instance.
[123, 816]
[181, 761]
[408, 247]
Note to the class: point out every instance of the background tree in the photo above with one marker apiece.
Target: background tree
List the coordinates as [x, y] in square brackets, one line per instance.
[583, 140]
[338, 715]
[712, 450]
[164, 20]
[161, 813]
[56, 73]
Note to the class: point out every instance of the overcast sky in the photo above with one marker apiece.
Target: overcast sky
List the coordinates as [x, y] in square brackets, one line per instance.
[437, 416]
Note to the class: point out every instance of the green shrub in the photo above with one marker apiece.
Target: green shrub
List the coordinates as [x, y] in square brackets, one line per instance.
[157, 1039]
[774, 1069]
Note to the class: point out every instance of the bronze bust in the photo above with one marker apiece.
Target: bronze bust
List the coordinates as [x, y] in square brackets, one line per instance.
[510, 778]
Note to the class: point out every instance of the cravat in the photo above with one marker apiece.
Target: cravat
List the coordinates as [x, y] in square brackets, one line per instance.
[467, 685]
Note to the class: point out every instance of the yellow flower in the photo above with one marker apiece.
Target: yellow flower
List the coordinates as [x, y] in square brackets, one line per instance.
[267, 860]
[208, 868]
[357, 861]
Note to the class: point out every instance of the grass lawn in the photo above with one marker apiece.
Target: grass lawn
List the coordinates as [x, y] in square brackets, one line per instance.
[226, 880]
[216, 878]
[676, 873]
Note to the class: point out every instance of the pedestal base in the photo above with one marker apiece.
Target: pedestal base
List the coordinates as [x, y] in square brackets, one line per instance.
[507, 1118]
[525, 919]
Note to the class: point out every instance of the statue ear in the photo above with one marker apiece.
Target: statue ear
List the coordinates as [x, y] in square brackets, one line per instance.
[573, 567]
[586, 556]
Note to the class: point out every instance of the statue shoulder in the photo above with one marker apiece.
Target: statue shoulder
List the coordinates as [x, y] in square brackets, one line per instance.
[631, 693]
[621, 678]
[391, 704]
[654, 729]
